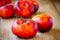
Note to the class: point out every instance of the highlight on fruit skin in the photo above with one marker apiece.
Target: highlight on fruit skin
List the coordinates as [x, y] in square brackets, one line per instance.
[24, 28]
[44, 22]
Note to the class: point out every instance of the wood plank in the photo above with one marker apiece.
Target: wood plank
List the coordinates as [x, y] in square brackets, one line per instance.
[57, 5]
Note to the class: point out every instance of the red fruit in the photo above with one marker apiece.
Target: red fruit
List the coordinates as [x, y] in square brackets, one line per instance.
[43, 21]
[24, 28]
[4, 2]
[23, 9]
[34, 4]
[6, 11]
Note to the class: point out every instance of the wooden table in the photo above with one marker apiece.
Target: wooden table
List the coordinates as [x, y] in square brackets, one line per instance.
[47, 7]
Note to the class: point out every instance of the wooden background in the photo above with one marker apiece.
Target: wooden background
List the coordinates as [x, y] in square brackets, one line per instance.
[46, 6]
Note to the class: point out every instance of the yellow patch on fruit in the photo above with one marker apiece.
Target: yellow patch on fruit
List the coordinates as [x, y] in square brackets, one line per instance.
[43, 17]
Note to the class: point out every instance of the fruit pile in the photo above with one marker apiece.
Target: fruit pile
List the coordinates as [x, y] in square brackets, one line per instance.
[23, 8]
[25, 28]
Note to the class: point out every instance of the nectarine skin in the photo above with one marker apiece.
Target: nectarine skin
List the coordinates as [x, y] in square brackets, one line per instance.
[43, 21]
[4, 2]
[6, 11]
[24, 28]
[35, 5]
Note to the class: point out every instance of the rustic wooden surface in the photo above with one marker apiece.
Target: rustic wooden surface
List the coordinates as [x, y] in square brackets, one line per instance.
[57, 5]
[47, 7]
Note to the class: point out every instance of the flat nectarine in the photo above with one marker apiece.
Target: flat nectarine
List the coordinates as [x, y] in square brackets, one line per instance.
[24, 28]
[43, 21]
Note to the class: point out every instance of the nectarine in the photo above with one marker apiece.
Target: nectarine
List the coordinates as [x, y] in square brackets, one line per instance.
[43, 21]
[24, 28]
[6, 11]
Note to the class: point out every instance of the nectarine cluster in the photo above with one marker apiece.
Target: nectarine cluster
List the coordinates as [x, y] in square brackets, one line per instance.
[25, 28]
[23, 8]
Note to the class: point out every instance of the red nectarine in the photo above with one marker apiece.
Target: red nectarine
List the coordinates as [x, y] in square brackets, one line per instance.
[43, 21]
[24, 28]
[6, 11]
[23, 9]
